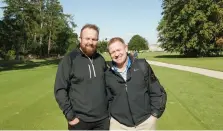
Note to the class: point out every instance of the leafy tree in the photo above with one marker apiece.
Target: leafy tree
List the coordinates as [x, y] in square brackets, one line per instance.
[36, 26]
[102, 46]
[191, 27]
[138, 43]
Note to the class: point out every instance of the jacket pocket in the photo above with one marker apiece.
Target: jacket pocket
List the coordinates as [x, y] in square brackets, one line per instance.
[76, 80]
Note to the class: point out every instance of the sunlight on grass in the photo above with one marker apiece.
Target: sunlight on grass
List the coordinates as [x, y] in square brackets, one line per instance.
[194, 101]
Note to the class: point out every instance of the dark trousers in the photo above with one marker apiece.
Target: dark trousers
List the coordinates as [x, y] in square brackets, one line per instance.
[98, 125]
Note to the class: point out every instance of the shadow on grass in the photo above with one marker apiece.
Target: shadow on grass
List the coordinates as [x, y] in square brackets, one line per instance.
[19, 65]
[181, 56]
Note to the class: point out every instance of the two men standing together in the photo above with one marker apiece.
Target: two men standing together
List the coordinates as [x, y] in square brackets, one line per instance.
[97, 96]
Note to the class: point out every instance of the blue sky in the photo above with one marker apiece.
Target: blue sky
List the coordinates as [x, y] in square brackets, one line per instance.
[123, 18]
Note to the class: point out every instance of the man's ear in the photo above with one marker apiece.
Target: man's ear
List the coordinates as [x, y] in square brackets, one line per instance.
[126, 48]
[79, 39]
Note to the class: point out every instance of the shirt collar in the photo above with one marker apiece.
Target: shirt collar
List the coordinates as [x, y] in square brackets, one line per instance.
[115, 68]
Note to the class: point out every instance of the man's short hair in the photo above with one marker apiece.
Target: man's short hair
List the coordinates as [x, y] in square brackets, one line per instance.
[115, 39]
[90, 26]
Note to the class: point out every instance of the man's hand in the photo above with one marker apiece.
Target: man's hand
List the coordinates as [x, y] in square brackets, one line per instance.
[74, 121]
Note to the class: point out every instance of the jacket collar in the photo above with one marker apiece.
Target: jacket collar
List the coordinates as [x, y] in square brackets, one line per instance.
[115, 68]
[112, 64]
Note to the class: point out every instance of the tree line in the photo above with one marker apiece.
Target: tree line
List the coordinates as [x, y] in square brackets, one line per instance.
[41, 28]
[35, 27]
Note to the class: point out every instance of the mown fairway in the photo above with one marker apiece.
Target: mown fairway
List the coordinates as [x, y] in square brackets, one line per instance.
[27, 99]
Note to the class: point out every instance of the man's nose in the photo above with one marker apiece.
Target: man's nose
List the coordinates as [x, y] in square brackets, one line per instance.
[116, 54]
[90, 41]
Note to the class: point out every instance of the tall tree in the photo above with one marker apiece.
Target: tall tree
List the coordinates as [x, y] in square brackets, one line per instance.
[37, 27]
[16, 24]
[191, 27]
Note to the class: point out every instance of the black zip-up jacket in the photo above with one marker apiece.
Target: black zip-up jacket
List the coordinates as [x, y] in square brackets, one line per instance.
[80, 87]
[131, 102]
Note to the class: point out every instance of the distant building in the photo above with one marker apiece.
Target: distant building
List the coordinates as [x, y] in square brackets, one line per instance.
[155, 47]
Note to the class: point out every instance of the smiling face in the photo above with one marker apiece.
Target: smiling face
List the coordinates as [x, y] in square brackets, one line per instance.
[88, 41]
[118, 52]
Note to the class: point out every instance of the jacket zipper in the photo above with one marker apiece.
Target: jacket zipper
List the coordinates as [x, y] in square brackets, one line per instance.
[92, 64]
[126, 89]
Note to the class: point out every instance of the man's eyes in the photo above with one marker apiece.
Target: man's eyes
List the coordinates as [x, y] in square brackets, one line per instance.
[93, 39]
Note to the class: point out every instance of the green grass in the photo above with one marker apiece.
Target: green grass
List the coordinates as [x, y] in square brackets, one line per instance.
[194, 101]
[27, 100]
[212, 63]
